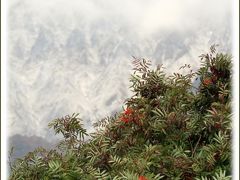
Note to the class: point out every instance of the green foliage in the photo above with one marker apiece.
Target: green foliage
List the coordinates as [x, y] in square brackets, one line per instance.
[167, 131]
[71, 129]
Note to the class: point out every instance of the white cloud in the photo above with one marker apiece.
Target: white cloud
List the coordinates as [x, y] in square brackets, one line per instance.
[142, 16]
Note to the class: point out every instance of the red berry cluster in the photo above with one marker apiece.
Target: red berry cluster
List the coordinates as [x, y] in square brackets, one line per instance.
[142, 178]
[207, 81]
[216, 74]
[129, 115]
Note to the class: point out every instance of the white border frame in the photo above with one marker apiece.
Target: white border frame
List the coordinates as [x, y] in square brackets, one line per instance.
[235, 82]
[4, 154]
[235, 26]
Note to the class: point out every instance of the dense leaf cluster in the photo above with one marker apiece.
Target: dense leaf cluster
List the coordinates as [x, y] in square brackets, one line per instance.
[166, 131]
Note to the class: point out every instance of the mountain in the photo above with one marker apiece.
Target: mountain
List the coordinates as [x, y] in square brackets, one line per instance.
[63, 63]
[23, 144]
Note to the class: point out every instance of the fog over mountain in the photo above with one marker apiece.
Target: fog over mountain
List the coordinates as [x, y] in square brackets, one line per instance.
[75, 56]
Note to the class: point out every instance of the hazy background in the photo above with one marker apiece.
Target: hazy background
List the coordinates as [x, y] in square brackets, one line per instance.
[75, 56]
